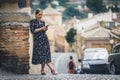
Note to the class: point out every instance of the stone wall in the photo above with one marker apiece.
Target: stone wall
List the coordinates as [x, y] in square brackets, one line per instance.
[14, 44]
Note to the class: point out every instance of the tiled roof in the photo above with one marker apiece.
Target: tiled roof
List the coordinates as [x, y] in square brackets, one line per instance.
[99, 32]
[116, 31]
[118, 18]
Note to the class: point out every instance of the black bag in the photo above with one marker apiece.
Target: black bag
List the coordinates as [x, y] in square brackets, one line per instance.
[71, 65]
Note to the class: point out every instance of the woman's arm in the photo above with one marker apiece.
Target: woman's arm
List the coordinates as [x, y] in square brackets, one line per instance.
[32, 24]
[44, 28]
[40, 29]
[35, 30]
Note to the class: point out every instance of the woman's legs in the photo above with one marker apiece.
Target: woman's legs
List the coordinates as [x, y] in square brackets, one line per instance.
[52, 69]
[42, 69]
[48, 64]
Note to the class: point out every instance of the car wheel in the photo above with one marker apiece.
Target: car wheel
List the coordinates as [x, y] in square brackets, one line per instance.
[82, 72]
[112, 69]
[106, 71]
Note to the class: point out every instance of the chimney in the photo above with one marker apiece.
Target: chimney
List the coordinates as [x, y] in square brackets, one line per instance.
[90, 15]
[114, 16]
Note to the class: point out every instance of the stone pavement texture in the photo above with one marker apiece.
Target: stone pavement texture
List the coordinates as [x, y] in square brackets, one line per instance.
[10, 76]
[61, 77]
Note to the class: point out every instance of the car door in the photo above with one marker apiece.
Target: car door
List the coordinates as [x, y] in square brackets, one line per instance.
[116, 55]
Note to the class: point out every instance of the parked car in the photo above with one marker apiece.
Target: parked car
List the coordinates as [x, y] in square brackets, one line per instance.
[95, 60]
[78, 70]
[114, 60]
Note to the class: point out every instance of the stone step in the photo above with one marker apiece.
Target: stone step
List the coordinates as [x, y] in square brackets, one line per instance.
[4, 72]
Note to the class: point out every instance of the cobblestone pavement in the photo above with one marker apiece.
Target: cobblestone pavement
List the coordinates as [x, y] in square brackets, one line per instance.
[61, 77]
[10, 76]
[59, 61]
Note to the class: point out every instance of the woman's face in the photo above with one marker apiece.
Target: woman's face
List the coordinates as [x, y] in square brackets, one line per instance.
[39, 15]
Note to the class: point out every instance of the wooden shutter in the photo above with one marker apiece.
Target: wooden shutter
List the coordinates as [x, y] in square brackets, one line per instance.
[22, 3]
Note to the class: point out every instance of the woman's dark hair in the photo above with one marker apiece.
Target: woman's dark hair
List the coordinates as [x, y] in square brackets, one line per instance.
[37, 11]
[71, 57]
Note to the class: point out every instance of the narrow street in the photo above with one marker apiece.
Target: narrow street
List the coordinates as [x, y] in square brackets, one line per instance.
[59, 60]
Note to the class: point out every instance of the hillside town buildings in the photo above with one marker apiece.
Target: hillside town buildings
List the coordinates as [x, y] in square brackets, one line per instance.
[16, 48]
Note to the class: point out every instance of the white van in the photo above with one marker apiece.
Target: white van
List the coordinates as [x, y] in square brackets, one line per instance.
[94, 60]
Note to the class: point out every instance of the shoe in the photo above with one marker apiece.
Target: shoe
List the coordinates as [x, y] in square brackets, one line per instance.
[43, 73]
[53, 72]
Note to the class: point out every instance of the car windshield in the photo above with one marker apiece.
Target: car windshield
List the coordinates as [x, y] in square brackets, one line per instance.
[95, 54]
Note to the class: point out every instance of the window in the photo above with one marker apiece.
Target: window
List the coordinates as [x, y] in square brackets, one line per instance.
[119, 49]
[116, 49]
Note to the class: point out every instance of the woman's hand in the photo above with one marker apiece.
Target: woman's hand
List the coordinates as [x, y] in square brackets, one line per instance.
[44, 28]
[39, 29]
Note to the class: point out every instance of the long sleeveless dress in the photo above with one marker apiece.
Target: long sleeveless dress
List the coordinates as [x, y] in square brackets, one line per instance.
[41, 47]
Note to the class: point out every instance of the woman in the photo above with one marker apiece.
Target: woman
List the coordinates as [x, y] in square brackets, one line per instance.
[41, 47]
[71, 66]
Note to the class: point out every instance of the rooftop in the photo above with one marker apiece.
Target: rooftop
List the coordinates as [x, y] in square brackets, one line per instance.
[98, 32]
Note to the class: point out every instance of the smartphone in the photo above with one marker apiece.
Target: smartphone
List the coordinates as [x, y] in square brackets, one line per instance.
[46, 26]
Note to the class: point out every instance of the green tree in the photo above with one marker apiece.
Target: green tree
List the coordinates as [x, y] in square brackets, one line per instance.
[41, 4]
[33, 6]
[115, 4]
[115, 1]
[95, 5]
[114, 8]
[44, 3]
[70, 36]
[70, 12]
[63, 2]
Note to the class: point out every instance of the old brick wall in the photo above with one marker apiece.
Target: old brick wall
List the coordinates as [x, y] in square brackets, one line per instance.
[14, 45]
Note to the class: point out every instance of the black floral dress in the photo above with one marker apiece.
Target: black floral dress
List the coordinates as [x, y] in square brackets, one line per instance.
[41, 47]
